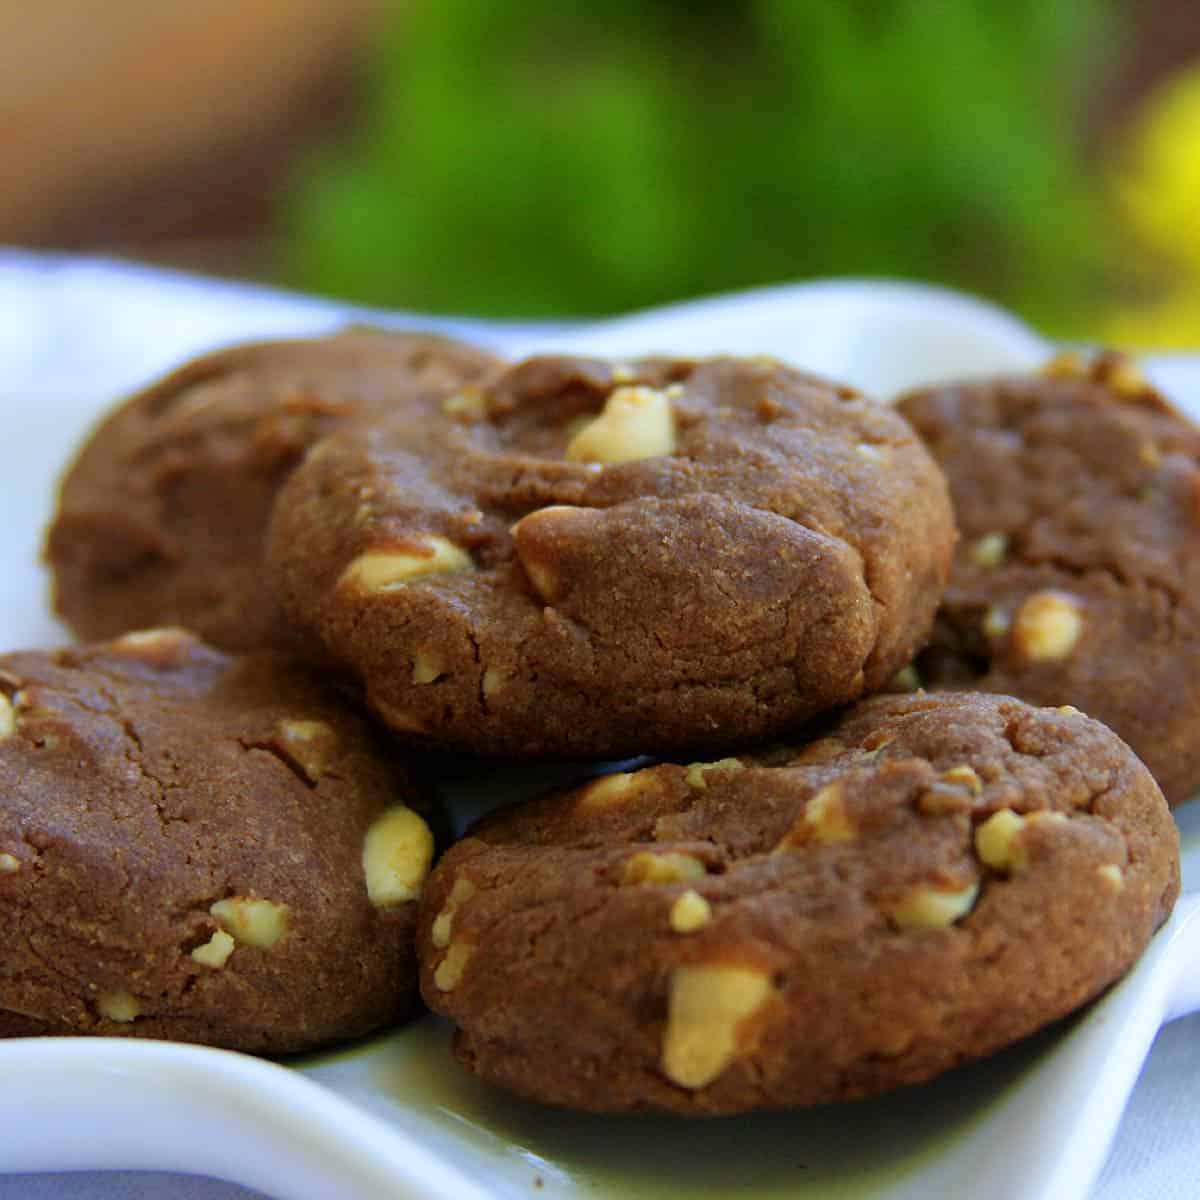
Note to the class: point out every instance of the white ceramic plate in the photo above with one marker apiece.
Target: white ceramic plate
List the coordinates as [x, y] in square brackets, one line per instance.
[394, 1117]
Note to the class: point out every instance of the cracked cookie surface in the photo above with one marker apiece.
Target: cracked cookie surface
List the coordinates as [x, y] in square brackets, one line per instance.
[591, 559]
[934, 878]
[161, 517]
[1077, 579]
[199, 848]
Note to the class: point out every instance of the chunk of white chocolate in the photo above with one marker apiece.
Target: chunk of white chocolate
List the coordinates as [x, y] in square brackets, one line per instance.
[216, 951]
[310, 745]
[614, 790]
[443, 923]
[449, 972]
[533, 541]
[706, 1006]
[930, 907]
[385, 570]
[120, 1005]
[1047, 627]
[397, 853]
[637, 422]
[690, 912]
[665, 866]
[824, 819]
[251, 920]
[428, 665]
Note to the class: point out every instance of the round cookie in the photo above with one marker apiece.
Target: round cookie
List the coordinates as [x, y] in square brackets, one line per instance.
[162, 515]
[588, 559]
[936, 878]
[1077, 580]
[199, 848]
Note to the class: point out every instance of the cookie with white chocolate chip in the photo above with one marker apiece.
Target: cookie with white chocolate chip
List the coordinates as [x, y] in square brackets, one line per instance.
[162, 515]
[200, 848]
[1077, 580]
[591, 559]
[935, 878]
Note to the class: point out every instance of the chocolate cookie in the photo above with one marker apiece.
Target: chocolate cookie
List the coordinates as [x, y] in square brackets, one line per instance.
[587, 559]
[162, 516]
[1077, 580]
[198, 848]
[936, 878]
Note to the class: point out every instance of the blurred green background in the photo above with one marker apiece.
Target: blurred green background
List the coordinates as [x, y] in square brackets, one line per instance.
[556, 157]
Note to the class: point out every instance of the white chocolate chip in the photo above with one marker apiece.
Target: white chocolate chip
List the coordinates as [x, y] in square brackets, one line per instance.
[255, 922]
[535, 555]
[705, 1008]
[1048, 626]
[690, 912]
[8, 717]
[1124, 376]
[533, 552]
[428, 665]
[1149, 454]
[668, 866]
[545, 579]
[9, 863]
[1111, 876]
[443, 923]
[167, 647]
[310, 745]
[989, 551]
[216, 951]
[1067, 364]
[450, 970]
[623, 373]
[386, 570]
[613, 790]
[637, 422]
[397, 853]
[907, 679]
[929, 907]
[825, 814]
[119, 1006]
[694, 777]
[493, 680]
[468, 404]
[154, 643]
[966, 776]
[996, 622]
[872, 453]
[1067, 710]
[998, 841]
[824, 819]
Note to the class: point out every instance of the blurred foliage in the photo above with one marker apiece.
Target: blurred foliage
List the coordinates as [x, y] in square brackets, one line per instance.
[1156, 183]
[558, 157]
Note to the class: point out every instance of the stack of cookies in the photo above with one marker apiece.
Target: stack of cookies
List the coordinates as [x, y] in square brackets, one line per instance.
[879, 837]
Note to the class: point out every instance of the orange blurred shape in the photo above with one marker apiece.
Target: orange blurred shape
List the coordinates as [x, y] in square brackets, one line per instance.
[136, 119]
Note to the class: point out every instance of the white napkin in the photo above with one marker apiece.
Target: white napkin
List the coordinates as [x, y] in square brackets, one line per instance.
[72, 327]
